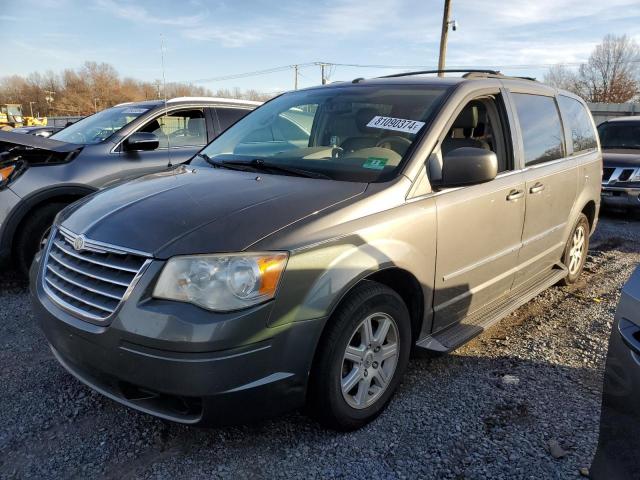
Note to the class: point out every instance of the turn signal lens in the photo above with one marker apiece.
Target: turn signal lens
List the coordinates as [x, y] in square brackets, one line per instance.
[6, 172]
[271, 268]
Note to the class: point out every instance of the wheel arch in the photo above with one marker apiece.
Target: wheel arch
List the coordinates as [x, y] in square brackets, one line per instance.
[398, 279]
[590, 211]
[66, 194]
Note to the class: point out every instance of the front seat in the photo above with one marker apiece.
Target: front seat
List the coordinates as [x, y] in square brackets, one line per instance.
[196, 128]
[362, 118]
[467, 121]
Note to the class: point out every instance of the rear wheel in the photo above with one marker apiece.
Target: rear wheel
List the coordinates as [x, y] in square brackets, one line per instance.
[575, 252]
[361, 358]
[34, 234]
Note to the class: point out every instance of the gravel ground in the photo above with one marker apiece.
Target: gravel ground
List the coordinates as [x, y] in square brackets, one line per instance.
[497, 408]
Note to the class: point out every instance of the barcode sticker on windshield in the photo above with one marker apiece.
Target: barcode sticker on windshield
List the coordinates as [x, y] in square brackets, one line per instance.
[396, 124]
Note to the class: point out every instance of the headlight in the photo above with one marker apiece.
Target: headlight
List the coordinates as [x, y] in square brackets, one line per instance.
[222, 282]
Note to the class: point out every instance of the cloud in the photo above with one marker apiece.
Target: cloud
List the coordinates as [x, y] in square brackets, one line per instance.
[140, 14]
[346, 17]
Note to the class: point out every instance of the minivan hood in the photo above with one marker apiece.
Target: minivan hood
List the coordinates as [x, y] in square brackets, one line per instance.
[621, 158]
[204, 210]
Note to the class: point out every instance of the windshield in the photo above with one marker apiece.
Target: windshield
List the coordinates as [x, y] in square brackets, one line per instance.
[354, 133]
[620, 135]
[98, 127]
[14, 110]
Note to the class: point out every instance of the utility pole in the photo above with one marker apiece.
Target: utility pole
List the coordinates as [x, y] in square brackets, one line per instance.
[443, 37]
[295, 77]
[31, 108]
[324, 80]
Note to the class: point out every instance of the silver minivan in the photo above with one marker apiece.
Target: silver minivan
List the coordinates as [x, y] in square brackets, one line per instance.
[301, 256]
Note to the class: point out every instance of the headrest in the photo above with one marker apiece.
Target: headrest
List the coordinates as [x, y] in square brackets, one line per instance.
[468, 118]
[195, 127]
[364, 116]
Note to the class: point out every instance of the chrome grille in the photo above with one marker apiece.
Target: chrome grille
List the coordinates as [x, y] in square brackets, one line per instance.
[613, 175]
[626, 174]
[606, 173]
[90, 279]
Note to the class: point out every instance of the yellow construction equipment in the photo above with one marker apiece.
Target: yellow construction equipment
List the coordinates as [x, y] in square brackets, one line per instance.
[11, 117]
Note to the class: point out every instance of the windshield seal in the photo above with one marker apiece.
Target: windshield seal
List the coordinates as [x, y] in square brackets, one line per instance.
[312, 148]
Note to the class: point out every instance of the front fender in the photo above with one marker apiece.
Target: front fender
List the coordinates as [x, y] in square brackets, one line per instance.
[318, 277]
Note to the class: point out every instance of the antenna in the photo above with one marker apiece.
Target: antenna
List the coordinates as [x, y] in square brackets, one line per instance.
[164, 87]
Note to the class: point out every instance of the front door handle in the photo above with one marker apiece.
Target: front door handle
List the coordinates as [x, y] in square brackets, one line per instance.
[537, 188]
[515, 195]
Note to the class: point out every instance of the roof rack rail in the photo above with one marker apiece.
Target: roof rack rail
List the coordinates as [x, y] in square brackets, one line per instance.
[423, 72]
[468, 73]
[496, 75]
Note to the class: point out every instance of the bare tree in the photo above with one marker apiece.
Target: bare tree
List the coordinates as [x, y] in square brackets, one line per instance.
[610, 74]
[95, 86]
[561, 77]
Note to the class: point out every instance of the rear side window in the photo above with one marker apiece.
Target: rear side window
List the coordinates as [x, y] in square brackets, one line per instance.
[229, 116]
[542, 133]
[579, 123]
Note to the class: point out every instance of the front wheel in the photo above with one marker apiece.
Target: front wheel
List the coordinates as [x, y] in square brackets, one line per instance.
[575, 252]
[361, 358]
[33, 235]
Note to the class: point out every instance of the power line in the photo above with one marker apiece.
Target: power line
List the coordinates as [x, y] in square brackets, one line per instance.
[334, 65]
[253, 73]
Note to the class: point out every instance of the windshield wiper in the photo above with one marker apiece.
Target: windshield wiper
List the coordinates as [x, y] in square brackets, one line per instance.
[226, 165]
[260, 164]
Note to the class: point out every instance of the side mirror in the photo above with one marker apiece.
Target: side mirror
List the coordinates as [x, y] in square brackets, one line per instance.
[468, 166]
[141, 141]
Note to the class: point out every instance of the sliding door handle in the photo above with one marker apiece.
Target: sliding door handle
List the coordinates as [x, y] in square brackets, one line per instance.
[537, 188]
[515, 195]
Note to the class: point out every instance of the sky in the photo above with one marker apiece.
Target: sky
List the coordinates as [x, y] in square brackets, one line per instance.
[206, 39]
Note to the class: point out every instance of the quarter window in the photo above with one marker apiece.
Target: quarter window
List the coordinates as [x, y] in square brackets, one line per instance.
[578, 120]
[541, 129]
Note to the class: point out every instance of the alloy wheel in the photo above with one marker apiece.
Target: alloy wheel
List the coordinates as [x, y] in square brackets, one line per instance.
[576, 252]
[370, 360]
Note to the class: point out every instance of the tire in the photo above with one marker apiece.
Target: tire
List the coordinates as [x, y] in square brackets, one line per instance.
[32, 234]
[368, 302]
[570, 259]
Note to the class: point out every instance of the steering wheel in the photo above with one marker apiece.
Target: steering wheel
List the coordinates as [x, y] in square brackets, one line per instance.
[183, 132]
[389, 140]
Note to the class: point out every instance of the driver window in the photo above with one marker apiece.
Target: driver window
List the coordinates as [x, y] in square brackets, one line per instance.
[179, 128]
[481, 125]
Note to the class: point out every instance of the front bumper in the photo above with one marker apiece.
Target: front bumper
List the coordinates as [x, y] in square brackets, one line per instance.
[621, 197]
[183, 363]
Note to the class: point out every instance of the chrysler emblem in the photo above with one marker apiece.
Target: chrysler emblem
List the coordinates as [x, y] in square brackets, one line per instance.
[78, 243]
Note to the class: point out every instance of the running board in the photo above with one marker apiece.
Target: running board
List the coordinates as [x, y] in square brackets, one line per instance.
[452, 337]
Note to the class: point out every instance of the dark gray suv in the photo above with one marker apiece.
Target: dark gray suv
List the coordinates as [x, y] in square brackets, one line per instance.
[620, 139]
[40, 176]
[305, 252]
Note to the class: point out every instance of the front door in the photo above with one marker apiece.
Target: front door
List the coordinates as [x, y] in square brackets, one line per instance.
[182, 133]
[479, 226]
